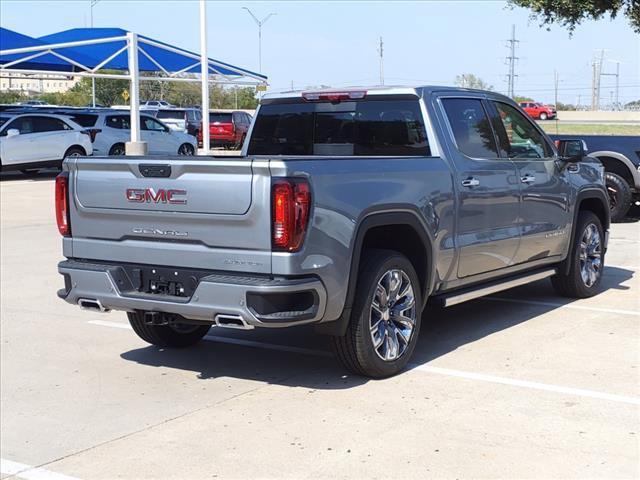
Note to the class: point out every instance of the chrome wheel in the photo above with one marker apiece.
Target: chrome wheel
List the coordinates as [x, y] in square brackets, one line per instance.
[590, 255]
[393, 315]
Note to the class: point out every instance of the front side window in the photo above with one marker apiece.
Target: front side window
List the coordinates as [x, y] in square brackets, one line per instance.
[149, 123]
[471, 127]
[519, 138]
[24, 125]
[365, 128]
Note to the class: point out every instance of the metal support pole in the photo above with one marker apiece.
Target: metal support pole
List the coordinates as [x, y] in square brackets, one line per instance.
[135, 146]
[204, 69]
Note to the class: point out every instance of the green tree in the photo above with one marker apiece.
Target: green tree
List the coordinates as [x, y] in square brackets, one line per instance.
[520, 98]
[469, 80]
[108, 90]
[11, 97]
[570, 13]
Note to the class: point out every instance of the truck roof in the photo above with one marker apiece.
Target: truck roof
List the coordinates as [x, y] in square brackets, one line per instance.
[418, 90]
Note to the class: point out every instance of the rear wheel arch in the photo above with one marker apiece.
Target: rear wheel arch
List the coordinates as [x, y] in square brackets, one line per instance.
[617, 163]
[400, 230]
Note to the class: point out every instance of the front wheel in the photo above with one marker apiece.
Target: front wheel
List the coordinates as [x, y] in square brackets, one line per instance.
[117, 149]
[619, 193]
[177, 335]
[385, 320]
[543, 116]
[186, 149]
[74, 152]
[586, 257]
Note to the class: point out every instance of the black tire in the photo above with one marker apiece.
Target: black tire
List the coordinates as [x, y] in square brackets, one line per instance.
[619, 196]
[573, 284]
[543, 116]
[186, 149]
[355, 349]
[117, 149]
[167, 335]
[74, 152]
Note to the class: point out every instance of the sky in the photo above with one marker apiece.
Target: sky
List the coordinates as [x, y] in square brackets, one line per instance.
[336, 43]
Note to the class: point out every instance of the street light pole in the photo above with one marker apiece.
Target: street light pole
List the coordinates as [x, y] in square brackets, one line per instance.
[259, 23]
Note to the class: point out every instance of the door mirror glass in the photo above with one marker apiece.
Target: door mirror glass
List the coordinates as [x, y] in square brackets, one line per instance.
[573, 150]
[12, 132]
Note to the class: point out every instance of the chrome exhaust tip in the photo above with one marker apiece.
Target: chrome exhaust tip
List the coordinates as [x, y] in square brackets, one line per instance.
[232, 321]
[92, 304]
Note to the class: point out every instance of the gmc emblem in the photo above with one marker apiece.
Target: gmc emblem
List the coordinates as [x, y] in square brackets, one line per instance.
[149, 195]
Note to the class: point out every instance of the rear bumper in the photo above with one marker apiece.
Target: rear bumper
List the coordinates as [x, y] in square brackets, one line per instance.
[260, 301]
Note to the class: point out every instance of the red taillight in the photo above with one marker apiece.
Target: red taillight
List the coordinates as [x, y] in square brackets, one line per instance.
[334, 97]
[291, 202]
[62, 204]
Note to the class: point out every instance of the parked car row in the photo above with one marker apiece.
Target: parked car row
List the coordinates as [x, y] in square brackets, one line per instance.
[38, 138]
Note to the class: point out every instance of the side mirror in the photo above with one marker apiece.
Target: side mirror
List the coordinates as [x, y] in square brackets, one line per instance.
[573, 150]
[13, 132]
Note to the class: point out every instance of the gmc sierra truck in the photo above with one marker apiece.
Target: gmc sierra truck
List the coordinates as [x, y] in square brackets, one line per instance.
[347, 209]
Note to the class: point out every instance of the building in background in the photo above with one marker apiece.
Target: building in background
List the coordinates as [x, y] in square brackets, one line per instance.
[37, 83]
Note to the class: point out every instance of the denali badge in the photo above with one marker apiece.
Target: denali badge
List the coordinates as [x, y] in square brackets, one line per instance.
[157, 231]
[149, 195]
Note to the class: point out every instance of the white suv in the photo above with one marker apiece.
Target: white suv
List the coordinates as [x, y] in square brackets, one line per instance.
[34, 140]
[113, 131]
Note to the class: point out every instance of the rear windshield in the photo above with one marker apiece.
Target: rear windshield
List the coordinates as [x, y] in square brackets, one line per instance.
[365, 128]
[220, 117]
[178, 114]
[84, 120]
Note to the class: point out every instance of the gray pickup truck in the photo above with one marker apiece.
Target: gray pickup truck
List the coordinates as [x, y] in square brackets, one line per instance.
[348, 210]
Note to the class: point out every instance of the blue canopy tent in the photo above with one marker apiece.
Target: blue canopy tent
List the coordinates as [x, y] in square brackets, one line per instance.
[85, 52]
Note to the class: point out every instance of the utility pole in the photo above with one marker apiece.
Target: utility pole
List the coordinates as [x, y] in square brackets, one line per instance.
[596, 81]
[511, 59]
[259, 23]
[381, 53]
[615, 102]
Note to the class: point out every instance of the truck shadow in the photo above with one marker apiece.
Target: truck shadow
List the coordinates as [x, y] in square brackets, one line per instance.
[297, 357]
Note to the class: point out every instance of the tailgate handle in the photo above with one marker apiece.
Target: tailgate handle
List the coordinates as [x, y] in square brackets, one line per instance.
[158, 171]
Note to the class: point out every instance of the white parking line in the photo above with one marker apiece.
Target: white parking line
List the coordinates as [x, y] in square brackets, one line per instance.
[526, 384]
[423, 368]
[560, 305]
[20, 470]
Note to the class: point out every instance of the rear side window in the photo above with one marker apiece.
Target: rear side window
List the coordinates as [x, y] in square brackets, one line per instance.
[121, 122]
[471, 128]
[4, 120]
[85, 120]
[49, 124]
[366, 128]
[220, 117]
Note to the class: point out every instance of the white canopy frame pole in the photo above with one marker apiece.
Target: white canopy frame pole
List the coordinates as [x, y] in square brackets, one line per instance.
[204, 69]
[135, 146]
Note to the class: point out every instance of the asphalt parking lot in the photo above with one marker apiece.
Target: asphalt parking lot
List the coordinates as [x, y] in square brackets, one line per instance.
[519, 385]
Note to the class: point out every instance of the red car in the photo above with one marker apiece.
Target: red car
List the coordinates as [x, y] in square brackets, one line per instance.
[227, 129]
[538, 110]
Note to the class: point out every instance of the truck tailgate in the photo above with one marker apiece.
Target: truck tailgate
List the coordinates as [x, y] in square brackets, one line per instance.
[200, 212]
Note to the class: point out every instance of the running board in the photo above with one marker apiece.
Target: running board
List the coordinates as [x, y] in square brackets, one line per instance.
[454, 298]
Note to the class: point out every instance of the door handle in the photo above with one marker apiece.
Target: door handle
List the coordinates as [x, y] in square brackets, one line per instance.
[528, 179]
[470, 182]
